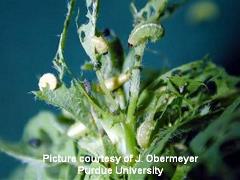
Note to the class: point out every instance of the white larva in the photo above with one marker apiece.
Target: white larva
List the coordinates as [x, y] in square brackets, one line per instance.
[77, 130]
[67, 114]
[144, 133]
[115, 82]
[100, 45]
[144, 32]
[48, 80]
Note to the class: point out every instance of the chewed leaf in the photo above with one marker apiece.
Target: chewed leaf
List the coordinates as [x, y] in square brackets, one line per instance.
[69, 99]
[184, 84]
[59, 62]
[87, 31]
[145, 32]
[209, 145]
[151, 11]
[42, 136]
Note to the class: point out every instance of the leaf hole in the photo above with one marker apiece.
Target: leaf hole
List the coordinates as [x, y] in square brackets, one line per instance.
[83, 35]
[90, 9]
[152, 11]
[144, 15]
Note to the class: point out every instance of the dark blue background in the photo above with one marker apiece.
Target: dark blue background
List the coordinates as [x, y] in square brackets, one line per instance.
[28, 42]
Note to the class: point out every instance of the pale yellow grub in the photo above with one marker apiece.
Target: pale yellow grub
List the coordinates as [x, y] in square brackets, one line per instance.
[112, 83]
[122, 78]
[77, 130]
[100, 44]
[115, 82]
[48, 80]
[67, 114]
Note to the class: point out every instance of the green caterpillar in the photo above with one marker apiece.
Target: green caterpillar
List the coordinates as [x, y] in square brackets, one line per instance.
[144, 132]
[145, 32]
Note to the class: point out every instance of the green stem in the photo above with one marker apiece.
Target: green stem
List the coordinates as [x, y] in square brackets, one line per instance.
[130, 141]
[108, 94]
[129, 127]
[133, 97]
[135, 86]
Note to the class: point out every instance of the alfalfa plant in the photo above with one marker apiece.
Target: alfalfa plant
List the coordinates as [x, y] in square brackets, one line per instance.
[190, 110]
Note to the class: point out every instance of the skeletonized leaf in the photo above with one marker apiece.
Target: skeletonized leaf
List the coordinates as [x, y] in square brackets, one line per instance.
[41, 136]
[210, 145]
[87, 31]
[69, 99]
[151, 11]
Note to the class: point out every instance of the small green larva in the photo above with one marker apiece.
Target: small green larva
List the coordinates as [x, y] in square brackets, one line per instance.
[115, 82]
[100, 45]
[144, 132]
[144, 32]
[77, 130]
[48, 80]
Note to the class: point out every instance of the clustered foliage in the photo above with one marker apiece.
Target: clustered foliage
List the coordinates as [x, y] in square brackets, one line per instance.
[190, 110]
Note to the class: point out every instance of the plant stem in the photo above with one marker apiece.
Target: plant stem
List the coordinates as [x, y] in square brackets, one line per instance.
[108, 94]
[130, 141]
[129, 127]
[135, 86]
